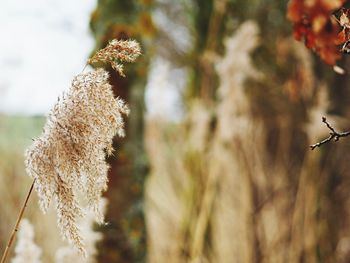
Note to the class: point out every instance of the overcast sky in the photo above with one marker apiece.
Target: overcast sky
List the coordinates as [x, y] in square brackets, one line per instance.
[44, 43]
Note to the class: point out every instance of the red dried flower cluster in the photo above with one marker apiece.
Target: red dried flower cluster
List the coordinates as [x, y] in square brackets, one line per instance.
[315, 23]
[344, 35]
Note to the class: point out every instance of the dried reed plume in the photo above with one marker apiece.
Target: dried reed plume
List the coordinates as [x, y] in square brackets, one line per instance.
[68, 254]
[116, 52]
[26, 250]
[68, 159]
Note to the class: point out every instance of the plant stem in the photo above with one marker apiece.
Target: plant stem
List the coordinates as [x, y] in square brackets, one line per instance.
[7, 250]
[333, 135]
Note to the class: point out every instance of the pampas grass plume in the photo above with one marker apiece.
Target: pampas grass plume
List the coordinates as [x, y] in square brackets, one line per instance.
[68, 159]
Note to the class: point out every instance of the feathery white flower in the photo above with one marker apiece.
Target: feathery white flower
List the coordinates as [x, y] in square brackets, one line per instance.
[68, 254]
[69, 157]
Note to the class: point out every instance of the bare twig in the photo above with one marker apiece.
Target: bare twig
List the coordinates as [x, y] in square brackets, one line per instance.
[7, 250]
[333, 135]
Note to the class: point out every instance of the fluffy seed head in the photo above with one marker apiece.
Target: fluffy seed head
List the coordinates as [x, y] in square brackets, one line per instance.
[68, 254]
[116, 52]
[68, 159]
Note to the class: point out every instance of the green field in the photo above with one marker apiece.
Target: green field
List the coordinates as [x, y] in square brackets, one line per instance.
[16, 132]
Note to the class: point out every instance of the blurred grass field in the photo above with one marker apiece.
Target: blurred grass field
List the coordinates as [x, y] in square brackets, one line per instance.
[16, 132]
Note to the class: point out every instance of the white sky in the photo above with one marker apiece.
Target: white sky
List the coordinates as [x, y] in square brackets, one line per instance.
[163, 90]
[44, 43]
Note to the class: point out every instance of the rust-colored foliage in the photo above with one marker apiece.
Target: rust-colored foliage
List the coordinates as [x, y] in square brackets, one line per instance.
[315, 23]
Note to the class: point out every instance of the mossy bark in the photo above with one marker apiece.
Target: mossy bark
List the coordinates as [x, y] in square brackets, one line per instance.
[124, 236]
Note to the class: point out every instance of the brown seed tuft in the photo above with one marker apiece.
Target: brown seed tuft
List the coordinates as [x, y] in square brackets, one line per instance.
[116, 52]
[68, 159]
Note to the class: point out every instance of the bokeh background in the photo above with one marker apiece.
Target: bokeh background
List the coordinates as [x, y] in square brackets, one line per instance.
[216, 165]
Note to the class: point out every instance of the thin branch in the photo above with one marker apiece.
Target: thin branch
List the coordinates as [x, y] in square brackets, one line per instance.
[333, 135]
[7, 250]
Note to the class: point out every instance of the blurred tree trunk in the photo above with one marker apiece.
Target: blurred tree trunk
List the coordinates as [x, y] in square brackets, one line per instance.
[124, 236]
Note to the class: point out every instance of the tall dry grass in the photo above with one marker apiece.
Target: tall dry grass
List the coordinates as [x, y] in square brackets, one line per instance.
[67, 163]
[232, 183]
